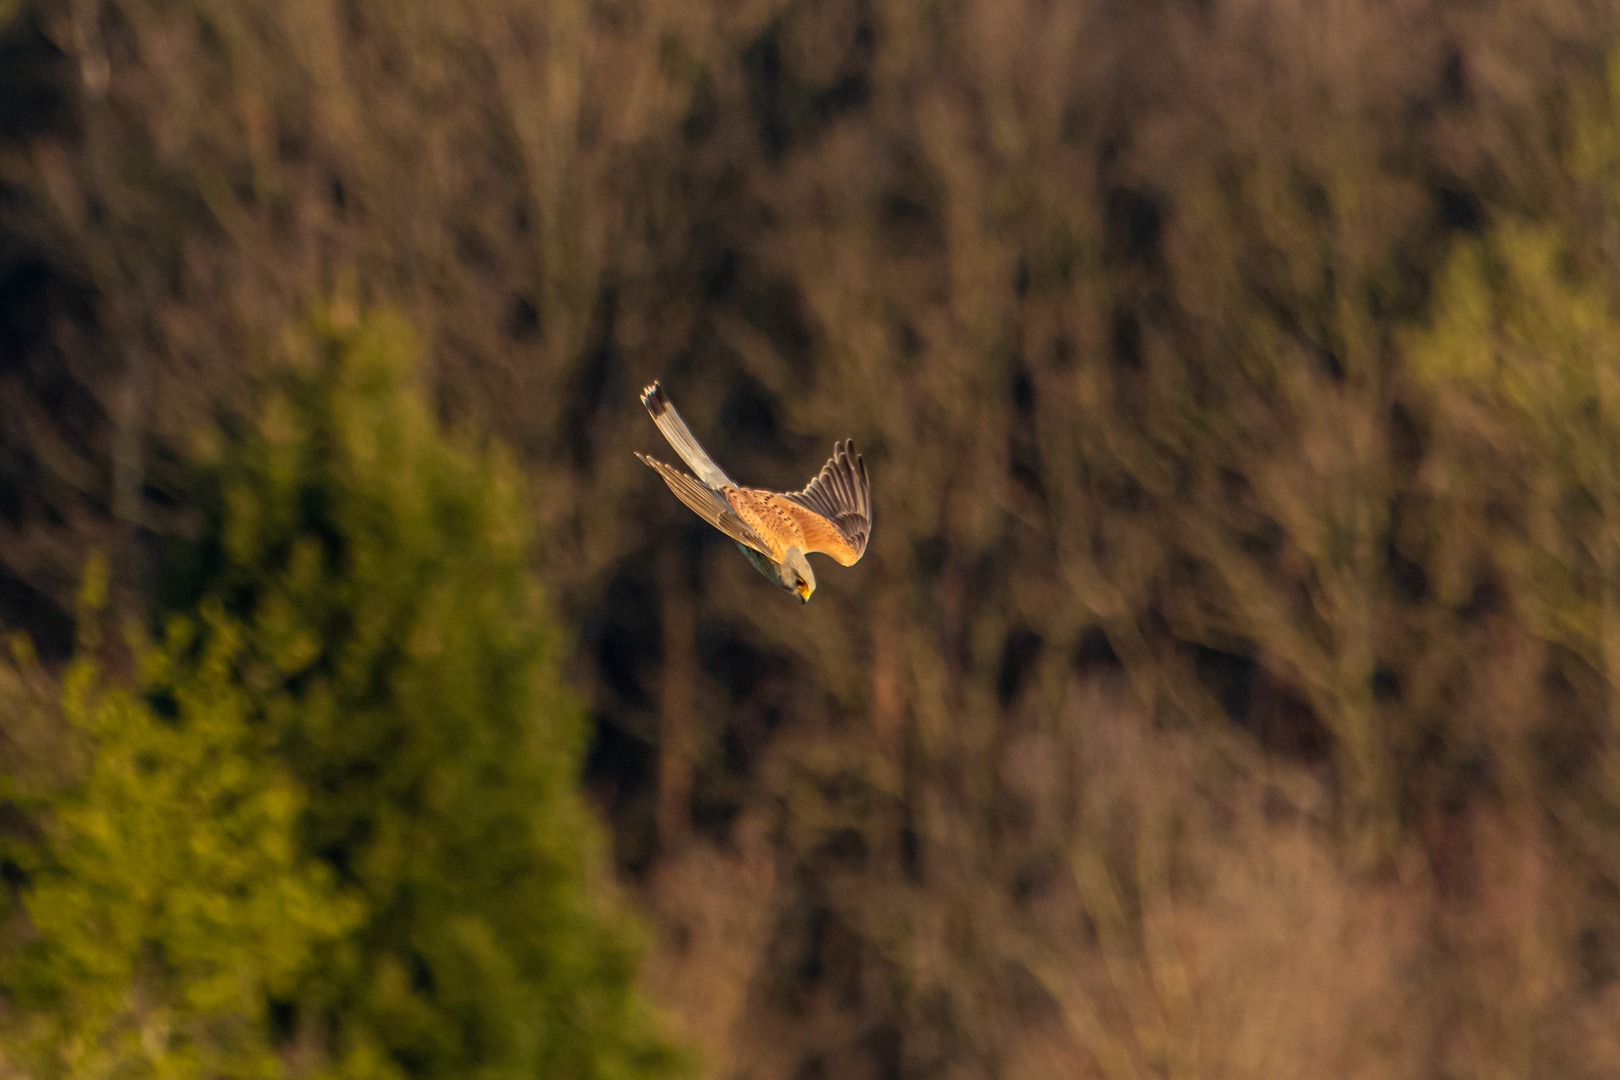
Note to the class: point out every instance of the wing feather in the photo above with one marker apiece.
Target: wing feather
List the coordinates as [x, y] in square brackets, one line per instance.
[681, 438]
[821, 535]
[841, 497]
[708, 504]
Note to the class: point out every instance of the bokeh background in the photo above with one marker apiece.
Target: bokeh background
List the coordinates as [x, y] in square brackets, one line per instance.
[1229, 689]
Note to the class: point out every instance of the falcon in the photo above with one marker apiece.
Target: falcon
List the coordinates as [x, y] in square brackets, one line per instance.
[775, 529]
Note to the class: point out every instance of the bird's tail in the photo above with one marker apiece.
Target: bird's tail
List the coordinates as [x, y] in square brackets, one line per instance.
[680, 437]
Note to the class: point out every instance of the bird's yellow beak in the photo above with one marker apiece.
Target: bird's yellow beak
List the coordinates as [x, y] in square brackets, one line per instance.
[803, 589]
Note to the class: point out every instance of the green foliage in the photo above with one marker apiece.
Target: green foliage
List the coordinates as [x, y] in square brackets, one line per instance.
[1522, 355]
[411, 682]
[332, 827]
[1515, 320]
[1520, 365]
[1522, 351]
[169, 896]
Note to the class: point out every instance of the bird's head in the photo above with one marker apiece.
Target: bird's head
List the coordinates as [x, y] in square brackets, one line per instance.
[801, 579]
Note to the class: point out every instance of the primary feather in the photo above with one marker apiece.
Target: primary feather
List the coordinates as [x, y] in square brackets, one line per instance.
[842, 494]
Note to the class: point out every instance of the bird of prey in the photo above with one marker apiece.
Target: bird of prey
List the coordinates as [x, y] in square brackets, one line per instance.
[776, 530]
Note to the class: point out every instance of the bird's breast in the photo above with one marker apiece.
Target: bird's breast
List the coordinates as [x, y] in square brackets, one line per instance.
[764, 564]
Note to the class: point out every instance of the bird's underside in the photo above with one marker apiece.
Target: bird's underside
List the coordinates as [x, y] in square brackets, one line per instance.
[776, 529]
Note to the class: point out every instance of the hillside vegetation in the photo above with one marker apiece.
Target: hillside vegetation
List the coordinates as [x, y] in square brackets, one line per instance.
[1228, 689]
[329, 824]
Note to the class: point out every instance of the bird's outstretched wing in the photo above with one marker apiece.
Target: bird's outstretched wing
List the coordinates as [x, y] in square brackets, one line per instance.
[839, 501]
[832, 515]
[680, 437]
[708, 504]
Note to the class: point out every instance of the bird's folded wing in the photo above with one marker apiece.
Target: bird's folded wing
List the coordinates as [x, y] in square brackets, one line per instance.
[708, 504]
[839, 505]
[681, 438]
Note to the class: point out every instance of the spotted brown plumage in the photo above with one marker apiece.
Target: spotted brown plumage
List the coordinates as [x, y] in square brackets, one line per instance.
[832, 516]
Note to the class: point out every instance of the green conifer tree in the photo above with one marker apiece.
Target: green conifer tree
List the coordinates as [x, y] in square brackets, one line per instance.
[167, 899]
[333, 825]
[411, 682]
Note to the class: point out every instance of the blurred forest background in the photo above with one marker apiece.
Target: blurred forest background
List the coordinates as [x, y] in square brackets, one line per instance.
[1230, 689]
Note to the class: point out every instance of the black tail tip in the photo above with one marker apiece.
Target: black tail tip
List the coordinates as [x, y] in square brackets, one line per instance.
[655, 399]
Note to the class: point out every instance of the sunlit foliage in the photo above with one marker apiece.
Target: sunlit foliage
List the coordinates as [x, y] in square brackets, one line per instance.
[412, 686]
[168, 897]
[333, 827]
